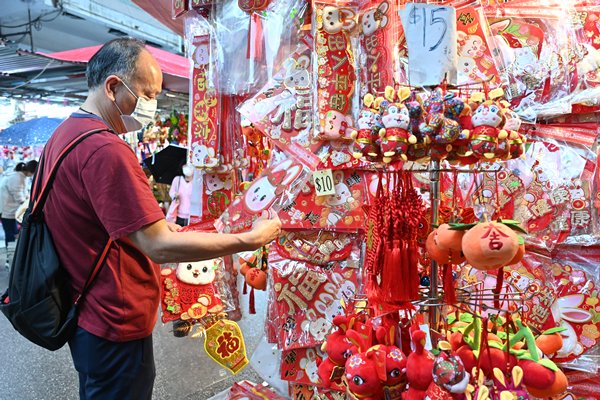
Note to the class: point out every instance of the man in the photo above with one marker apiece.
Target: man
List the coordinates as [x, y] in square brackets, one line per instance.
[100, 191]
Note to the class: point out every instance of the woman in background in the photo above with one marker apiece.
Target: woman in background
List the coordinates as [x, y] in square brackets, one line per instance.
[181, 192]
[13, 192]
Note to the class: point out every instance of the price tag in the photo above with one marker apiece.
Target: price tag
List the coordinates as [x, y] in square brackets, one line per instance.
[431, 38]
[323, 180]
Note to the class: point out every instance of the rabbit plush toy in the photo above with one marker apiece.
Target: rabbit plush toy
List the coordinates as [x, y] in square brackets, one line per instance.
[395, 118]
[486, 132]
[365, 138]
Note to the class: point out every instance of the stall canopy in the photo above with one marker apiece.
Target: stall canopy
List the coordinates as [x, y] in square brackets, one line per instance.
[170, 64]
[161, 10]
[62, 74]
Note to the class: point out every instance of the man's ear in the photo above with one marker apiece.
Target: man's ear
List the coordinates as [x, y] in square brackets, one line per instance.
[110, 86]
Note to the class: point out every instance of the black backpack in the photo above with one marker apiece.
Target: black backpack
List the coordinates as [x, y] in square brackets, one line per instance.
[39, 302]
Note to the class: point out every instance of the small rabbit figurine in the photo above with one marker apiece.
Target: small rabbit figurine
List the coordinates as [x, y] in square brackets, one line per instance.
[513, 389]
[365, 138]
[395, 136]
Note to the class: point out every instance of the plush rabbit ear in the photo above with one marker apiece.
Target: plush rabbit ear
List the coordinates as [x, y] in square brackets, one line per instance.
[403, 93]
[571, 301]
[389, 93]
[444, 345]
[506, 395]
[483, 393]
[517, 376]
[368, 99]
[500, 377]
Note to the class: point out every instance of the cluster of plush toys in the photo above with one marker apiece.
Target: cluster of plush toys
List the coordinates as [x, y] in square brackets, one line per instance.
[504, 358]
[406, 125]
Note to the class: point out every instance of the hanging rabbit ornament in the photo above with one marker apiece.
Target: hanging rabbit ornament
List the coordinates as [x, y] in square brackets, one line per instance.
[395, 118]
[369, 124]
[254, 50]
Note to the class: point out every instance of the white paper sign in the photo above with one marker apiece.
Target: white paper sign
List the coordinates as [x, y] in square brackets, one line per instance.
[324, 184]
[430, 31]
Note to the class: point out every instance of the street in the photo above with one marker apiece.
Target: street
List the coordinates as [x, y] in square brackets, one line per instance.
[30, 372]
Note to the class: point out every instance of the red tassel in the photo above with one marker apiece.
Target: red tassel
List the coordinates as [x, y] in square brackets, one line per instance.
[413, 271]
[252, 306]
[255, 37]
[449, 290]
[245, 290]
[392, 274]
[498, 288]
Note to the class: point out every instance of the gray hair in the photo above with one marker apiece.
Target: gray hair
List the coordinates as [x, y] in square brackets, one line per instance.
[117, 57]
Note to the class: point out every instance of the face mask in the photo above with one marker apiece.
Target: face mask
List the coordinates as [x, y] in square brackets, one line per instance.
[142, 115]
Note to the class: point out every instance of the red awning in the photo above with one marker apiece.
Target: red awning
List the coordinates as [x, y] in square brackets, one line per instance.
[170, 63]
[161, 10]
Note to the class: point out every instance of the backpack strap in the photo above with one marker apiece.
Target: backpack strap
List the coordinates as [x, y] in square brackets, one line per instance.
[39, 195]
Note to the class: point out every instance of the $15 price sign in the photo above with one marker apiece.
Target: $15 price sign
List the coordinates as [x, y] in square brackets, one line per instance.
[323, 180]
[430, 32]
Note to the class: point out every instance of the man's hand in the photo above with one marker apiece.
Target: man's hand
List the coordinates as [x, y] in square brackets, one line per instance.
[266, 228]
[173, 227]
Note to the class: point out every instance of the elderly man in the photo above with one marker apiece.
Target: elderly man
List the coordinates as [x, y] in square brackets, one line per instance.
[100, 192]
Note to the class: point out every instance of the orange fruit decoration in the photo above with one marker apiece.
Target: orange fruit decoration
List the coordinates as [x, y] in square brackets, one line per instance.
[256, 278]
[442, 256]
[490, 245]
[559, 386]
[449, 239]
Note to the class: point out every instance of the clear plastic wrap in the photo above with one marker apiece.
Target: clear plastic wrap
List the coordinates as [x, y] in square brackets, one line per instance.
[283, 109]
[335, 68]
[379, 24]
[272, 191]
[534, 51]
[528, 288]
[341, 211]
[308, 296]
[577, 278]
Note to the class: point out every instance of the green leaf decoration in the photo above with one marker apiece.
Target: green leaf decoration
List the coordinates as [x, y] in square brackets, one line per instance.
[461, 227]
[525, 356]
[495, 345]
[548, 364]
[451, 319]
[501, 335]
[554, 330]
[521, 353]
[466, 317]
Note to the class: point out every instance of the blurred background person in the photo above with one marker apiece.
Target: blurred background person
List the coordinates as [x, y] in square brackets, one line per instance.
[181, 194]
[14, 191]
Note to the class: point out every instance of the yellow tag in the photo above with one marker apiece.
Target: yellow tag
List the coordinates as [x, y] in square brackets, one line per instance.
[323, 180]
[224, 343]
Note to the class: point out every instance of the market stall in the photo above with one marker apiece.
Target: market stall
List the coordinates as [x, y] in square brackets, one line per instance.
[435, 168]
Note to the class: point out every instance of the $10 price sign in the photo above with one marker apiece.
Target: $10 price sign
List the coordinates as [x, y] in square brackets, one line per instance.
[324, 185]
[431, 39]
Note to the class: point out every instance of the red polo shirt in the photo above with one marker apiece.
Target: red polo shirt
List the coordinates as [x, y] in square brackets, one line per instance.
[101, 190]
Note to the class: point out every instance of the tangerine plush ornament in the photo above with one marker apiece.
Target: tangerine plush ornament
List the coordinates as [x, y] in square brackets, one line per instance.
[442, 255]
[338, 349]
[395, 118]
[490, 245]
[418, 368]
[255, 276]
[541, 376]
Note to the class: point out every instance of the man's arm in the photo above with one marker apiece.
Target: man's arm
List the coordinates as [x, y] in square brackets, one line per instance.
[162, 245]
